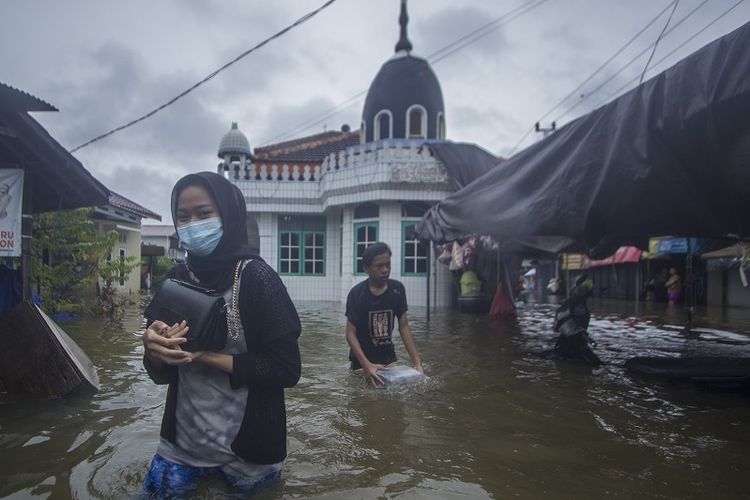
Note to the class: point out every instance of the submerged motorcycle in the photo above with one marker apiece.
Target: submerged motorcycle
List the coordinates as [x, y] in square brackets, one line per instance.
[572, 322]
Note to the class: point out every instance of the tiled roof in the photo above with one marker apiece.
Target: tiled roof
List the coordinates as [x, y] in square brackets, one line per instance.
[121, 202]
[313, 148]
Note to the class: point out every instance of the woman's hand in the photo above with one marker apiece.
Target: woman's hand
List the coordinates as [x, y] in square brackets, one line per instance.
[162, 343]
[419, 368]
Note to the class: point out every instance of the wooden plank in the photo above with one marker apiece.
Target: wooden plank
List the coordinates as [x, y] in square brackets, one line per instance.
[37, 358]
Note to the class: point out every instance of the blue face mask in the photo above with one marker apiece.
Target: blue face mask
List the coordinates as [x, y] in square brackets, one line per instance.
[200, 238]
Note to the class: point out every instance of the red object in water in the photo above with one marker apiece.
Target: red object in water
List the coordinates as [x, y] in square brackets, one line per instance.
[502, 307]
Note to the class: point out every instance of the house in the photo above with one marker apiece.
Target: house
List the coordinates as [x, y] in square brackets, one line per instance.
[315, 203]
[124, 216]
[161, 240]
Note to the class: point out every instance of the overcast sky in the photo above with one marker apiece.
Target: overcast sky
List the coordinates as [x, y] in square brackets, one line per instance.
[104, 63]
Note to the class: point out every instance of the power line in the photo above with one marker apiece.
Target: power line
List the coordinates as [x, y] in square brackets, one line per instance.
[299, 21]
[611, 77]
[439, 55]
[656, 43]
[691, 38]
[592, 75]
[484, 30]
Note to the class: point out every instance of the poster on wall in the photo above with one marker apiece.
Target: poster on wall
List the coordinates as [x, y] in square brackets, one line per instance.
[11, 198]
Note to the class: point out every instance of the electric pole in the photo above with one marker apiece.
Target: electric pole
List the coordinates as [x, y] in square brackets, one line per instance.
[545, 131]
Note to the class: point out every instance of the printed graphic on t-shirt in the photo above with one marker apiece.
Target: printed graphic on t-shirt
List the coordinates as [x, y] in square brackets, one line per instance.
[381, 325]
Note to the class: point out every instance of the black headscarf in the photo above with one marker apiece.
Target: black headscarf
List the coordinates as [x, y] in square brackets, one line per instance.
[215, 270]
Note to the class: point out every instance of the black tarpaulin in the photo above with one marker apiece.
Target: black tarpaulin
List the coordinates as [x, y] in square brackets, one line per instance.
[464, 162]
[672, 156]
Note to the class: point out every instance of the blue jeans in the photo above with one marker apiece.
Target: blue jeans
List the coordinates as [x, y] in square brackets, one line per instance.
[166, 479]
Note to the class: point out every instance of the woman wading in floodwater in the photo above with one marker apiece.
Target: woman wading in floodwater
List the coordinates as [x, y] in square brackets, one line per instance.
[225, 414]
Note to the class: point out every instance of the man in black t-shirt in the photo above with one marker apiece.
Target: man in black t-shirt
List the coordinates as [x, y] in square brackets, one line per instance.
[372, 309]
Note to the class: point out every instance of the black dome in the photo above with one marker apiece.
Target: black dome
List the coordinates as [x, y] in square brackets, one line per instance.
[403, 81]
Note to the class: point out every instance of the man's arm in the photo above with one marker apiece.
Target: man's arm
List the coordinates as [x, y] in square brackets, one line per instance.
[369, 369]
[408, 339]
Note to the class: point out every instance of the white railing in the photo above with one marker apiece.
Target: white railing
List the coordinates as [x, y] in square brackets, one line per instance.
[401, 150]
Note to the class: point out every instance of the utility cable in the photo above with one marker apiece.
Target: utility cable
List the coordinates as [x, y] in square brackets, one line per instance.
[656, 43]
[483, 31]
[666, 56]
[299, 21]
[592, 75]
[438, 55]
[635, 58]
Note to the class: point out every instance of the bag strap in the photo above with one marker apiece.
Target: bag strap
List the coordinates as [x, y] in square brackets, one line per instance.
[233, 318]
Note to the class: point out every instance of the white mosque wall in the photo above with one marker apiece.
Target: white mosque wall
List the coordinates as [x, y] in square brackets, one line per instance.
[387, 173]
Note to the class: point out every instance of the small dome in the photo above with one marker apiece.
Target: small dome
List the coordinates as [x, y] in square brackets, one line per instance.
[234, 142]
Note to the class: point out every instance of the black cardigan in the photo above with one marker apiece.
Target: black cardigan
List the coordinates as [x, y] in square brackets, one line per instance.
[271, 363]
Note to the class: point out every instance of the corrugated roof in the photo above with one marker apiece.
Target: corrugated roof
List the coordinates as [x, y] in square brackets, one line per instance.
[120, 201]
[13, 100]
[58, 179]
[311, 149]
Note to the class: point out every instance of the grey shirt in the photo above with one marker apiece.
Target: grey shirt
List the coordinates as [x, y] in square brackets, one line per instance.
[209, 413]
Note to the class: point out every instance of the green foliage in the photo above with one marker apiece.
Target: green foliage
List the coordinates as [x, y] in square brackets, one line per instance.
[161, 265]
[69, 254]
[110, 271]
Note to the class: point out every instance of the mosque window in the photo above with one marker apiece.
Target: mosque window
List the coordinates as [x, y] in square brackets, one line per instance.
[414, 253]
[416, 122]
[441, 126]
[414, 209]
[302, 245]
[366, 211]
[365, 234]
[362, 132]
[383, 125]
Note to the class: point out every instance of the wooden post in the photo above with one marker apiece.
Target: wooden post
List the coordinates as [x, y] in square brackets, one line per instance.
[428, 244]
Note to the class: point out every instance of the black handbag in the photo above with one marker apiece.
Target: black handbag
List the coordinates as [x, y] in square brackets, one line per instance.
[203, 309]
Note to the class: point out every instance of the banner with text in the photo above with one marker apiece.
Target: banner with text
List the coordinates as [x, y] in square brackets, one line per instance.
[11, 198]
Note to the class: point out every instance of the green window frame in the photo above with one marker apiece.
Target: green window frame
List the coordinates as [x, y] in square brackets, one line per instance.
[365, 234]
[313, 253]
[301, 246]
[413, 255]
[289, 252]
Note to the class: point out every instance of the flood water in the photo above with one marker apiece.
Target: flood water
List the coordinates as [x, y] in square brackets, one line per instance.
[494, 420]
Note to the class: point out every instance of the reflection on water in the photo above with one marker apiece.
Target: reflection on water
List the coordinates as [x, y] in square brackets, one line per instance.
[495, 418]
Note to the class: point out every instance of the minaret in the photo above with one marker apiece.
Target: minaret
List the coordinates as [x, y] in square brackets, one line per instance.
[403, 41]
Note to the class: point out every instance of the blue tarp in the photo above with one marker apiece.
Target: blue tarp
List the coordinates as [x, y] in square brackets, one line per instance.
[10, 289]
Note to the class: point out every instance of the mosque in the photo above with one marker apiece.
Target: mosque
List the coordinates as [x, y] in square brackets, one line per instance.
[315, 203]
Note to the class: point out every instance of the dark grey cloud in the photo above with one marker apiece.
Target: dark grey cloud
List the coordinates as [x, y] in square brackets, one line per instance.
[476, 120]
[283, 118]
[105, 63]
[441, 29]
[146, 185]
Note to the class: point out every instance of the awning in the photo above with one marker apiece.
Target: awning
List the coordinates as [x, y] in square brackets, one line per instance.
[623, 255]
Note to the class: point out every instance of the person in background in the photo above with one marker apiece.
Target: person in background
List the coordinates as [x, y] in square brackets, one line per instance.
[225, 413]
[674, 287]
[372, 309]
[572, 321]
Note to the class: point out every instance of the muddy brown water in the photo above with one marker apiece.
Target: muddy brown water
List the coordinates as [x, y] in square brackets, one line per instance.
[494, 420]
